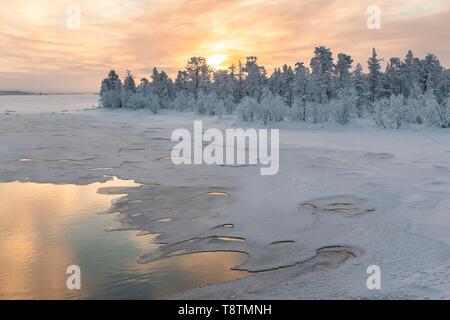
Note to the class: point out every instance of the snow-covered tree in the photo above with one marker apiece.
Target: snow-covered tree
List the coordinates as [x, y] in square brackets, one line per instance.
[344, 106]
[144, 86]
[374, 78]
[128, 89]
[318, 112]
[322, 67]
[162, 86]
[430, 73]
[211, 102]
[138, 101]
[359, 84]
[153, 102]
[237, 75]
[128, 83]
[393, 78]
[410, 73]
[183, 102]
[410, 91]
[442, 90]
[435, 113]
[390, 112]
[247, 109]
[274, 82]
[196, 76]
[279, 109]
[220, 109]
[224, 85]
[206, 103]
[110, 91]
[181, 82]
[144, 101]
[282, 83]
[396, 114]
[300, 89]
[264, 110]
[288, 76]
[414, 110]
[255, 78]
[343, 71]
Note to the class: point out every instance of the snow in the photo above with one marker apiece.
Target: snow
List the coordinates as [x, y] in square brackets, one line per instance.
[47, 103]
[397, 181]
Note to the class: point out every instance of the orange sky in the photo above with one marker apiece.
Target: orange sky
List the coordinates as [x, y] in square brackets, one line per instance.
[39, 53]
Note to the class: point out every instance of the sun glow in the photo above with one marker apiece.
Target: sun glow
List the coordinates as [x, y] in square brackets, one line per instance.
[43, 54]
[216, 61]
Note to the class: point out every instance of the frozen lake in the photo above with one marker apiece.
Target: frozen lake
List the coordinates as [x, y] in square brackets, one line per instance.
[47, 103]
[345, 198]
[47, 227]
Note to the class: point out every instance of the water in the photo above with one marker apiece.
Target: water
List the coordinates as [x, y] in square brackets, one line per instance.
[47, 103]
[45, 228]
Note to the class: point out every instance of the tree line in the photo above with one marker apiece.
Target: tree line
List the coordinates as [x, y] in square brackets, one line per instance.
[410, 90]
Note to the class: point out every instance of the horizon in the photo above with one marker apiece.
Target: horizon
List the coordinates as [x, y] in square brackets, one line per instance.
[122, 74]
[42, 54]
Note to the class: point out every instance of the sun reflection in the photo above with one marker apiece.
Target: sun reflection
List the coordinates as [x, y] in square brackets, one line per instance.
[35, 247]
[47, 227]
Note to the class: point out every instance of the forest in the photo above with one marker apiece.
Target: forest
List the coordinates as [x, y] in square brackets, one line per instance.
[408, 91]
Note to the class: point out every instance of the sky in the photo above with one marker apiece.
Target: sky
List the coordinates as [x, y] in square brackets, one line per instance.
[44, 48]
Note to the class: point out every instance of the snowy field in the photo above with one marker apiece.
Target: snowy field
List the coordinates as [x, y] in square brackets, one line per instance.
[345, 198]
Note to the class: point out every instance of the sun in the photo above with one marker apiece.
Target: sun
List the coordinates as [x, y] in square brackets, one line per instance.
[216, 61]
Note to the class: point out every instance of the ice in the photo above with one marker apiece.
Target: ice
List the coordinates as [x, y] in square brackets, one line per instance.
[398, 179]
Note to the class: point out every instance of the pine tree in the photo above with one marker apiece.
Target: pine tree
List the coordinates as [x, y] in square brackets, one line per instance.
[275, 82]
[128, 89]
[301, 83]
[343, 66]
[374, 76]
[110, 91]
[223, 84]
[238, 91]
[410, 73]
[287, 82]
[197, 75]
[393, 78]
[359, 83]
[255, 78]
[162, 86]
[412, 90]
[144, 86]
[322, 67]
[181, 82]
[430, 76]
[129, 83]
[264, 111]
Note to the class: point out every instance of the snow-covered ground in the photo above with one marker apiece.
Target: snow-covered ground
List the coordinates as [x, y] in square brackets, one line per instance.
[345, 198]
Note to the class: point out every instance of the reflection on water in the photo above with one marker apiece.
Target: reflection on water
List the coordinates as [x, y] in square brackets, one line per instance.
[230, 239]
[45, 228]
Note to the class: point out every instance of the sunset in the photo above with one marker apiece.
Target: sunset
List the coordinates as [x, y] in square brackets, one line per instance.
[38, 43]
[228, 157]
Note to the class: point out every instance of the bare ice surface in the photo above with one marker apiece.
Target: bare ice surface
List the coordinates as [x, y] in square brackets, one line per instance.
[345, 198]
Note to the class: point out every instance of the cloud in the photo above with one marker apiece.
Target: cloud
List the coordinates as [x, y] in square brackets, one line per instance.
[141, 34]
